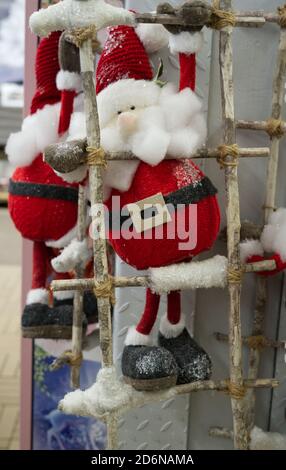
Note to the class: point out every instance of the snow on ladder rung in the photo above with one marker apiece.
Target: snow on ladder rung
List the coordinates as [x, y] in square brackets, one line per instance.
[193, 275]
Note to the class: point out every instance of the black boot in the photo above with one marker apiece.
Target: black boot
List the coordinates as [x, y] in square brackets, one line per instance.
[193, 362]
[149, 367]
[89, 306]
[41, 321]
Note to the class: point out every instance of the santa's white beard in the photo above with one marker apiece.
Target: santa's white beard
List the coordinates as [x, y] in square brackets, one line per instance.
[174, 126]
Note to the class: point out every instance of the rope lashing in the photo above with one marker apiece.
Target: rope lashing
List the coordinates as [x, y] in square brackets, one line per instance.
[72, 359]
[275, 127]
[257, 342]
[96, 157]
[282, 16]
[81, 35]
[224, 152]
[235, 391]
[221, 18]
[234, 276]
[105, 289]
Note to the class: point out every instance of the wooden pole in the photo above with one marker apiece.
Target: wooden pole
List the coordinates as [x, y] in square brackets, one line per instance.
[233, 231]
[73, 154]
[96, 198]
[78, 296]
[270, 201]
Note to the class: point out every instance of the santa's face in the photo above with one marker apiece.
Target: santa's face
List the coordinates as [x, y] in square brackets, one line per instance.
[151, 122]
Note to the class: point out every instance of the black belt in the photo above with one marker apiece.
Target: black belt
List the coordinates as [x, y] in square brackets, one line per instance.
[185, 196]
[43, 191]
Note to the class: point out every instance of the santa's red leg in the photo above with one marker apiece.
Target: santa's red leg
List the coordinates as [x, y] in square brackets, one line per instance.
[174, 307]
[149, 316]
[39, 293]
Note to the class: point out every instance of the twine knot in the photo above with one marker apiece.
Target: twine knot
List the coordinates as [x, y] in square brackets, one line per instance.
[282, 16]
[96, 157]
[81, 35]
[234, 276]
[257, 342]
[235, 391]
[221, 18]
[105, 289]
[67, 358]
[224, 152]
[275, 127]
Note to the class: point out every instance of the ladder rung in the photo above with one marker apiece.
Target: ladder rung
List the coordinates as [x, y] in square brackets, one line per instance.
[193, 276]
[108, 387]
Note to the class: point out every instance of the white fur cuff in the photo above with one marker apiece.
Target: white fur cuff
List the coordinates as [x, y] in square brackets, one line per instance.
[250, 248]
[186, 43]
[153, 36]
[134, 338]
[64, 295]
[169, 330]
[37, 296]
[68, 81]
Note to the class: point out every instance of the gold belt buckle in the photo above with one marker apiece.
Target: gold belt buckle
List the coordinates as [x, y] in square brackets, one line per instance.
[152, 204]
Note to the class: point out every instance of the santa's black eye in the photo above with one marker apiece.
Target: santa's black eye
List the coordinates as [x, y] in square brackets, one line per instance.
[119, 112]
[132, 108]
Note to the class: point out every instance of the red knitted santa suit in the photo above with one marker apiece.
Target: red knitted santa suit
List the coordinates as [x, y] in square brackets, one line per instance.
[44, 207]
[179, 181]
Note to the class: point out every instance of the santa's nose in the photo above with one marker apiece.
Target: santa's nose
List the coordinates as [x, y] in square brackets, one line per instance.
[127, 123]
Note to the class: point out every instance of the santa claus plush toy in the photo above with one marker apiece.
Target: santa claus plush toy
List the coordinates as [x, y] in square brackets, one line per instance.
[43, 207]
[137, 114]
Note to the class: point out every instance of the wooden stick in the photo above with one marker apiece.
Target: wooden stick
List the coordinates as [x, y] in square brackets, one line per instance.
[78, 296]
[144, 281]
[137, 399]
[249, 230]
[243, 19]
[269, 343]
[96, 197]
[256, 125]
[221, 432]
[261, 283]
[233, 230]
[68, 156]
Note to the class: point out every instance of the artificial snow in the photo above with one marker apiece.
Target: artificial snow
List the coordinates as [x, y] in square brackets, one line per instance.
[109, 395]
[194, 275]
[71, 14]
[261, 440]
[106, 395]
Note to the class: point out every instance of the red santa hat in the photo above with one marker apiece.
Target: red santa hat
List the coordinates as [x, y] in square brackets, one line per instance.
[124, 69]
[53, 84]
[51, 107]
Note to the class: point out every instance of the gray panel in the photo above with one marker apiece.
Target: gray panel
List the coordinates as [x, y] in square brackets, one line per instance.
[254, 60]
